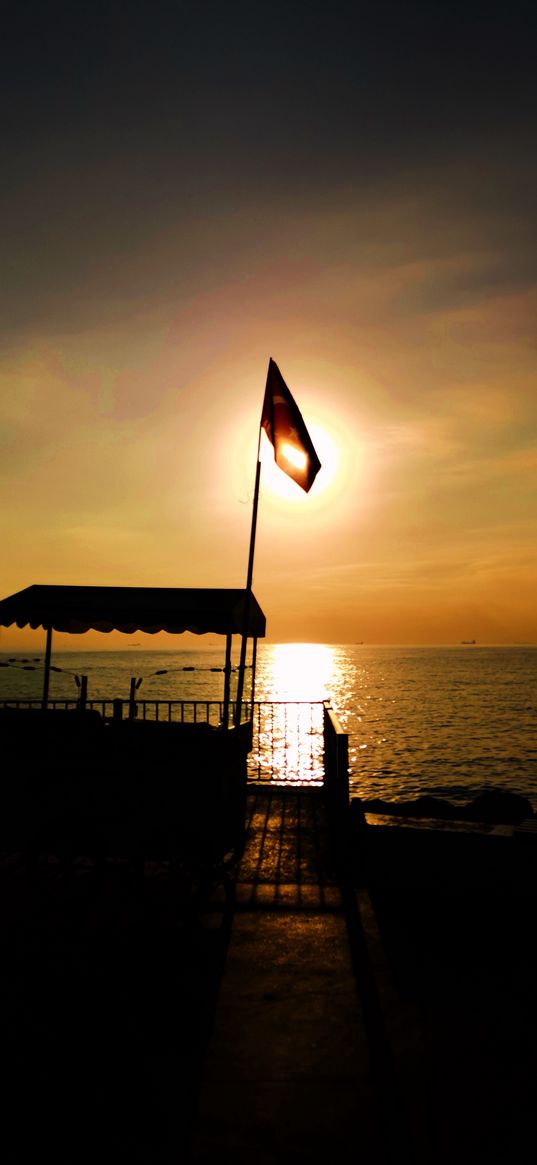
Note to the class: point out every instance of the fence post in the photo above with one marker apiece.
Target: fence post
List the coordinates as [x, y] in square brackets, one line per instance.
[132, 698]
[336, 773]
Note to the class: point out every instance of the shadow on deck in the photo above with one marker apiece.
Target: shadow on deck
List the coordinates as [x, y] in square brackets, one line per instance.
[297, 1068]
[282, 1015]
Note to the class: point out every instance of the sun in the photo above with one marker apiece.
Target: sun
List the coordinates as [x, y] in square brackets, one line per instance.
[278, 484]
[340, 485]
[298, 668]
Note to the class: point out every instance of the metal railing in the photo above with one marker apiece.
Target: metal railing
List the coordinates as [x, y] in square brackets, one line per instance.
[294, 742]
[105, 707]
[171, 711]
[288, 742]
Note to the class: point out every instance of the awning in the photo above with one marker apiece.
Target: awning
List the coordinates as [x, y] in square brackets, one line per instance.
[131, 609]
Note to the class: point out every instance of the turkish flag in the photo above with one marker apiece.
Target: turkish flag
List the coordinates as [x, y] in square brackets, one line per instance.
[283, 423]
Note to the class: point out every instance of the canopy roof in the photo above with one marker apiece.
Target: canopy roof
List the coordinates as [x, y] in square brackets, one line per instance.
[130, 609]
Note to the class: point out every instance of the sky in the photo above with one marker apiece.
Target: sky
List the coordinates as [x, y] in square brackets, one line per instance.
[191, 188]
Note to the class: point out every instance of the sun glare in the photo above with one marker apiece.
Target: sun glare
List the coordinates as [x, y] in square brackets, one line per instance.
[343, 454]
[280, 485]
[301, 671]
[294, 456]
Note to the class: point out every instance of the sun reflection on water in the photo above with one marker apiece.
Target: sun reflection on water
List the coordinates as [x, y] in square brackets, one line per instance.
[298, 671]
[296, 678]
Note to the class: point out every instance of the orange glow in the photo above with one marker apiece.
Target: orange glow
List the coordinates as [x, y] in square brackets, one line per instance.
[396, 541]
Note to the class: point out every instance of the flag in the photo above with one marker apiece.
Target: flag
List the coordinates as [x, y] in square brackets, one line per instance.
[283, 423]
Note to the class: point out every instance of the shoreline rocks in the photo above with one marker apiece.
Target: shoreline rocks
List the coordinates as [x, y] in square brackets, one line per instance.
[493, 807]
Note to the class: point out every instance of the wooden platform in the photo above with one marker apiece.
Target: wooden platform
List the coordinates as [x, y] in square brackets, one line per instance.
[289, 1075]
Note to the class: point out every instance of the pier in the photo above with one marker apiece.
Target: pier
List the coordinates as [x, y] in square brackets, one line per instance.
[372, 1016]
[344, 990]
[300, 1066]
[298, 1008]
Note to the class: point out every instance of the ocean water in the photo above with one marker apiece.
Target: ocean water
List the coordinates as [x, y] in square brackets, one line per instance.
[449, 721]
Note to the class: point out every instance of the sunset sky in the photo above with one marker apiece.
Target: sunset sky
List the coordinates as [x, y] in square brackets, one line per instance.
[191, 188]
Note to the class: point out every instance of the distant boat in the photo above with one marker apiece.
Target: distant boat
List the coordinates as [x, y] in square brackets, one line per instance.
[468, 642]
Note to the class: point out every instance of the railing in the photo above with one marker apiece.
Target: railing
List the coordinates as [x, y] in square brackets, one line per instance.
[176, 711]
[105, 707]
[288, 745]
[294, 742]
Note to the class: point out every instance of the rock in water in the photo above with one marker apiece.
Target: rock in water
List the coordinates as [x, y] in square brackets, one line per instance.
[499, 807]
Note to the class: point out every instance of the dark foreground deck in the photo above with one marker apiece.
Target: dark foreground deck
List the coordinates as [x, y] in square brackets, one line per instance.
[289, 1076]
[302, 1012]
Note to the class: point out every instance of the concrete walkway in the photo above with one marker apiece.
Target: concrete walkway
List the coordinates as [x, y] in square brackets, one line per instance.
[300, 1066]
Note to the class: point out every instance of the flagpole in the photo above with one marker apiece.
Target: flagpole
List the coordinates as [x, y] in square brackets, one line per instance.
[250, 574]
[249, 579]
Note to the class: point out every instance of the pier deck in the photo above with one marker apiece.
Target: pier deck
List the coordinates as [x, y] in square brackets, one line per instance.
[300, 1015]
[366, 1020]
[298, 1068]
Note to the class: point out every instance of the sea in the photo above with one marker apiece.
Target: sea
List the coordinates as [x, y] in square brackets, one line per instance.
[449, 721]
